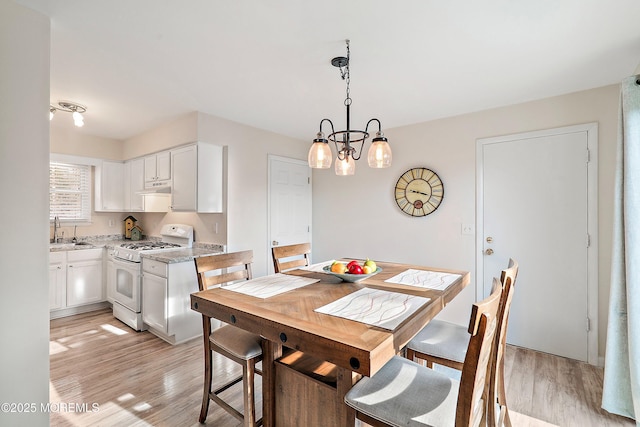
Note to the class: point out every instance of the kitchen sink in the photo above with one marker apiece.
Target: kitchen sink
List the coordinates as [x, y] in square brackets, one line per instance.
[61, 245]
[69, 245]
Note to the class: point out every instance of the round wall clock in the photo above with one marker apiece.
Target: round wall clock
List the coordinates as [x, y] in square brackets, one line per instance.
[419, 191]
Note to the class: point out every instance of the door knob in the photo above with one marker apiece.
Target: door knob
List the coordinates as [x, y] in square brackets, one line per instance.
[275, 243]
[488, 251]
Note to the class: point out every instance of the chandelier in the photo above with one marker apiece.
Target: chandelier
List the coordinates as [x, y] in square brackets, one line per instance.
[379, 155]
[69, 107]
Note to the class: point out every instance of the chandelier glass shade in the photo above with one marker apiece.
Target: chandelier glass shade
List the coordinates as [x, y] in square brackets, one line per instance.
[320, 157]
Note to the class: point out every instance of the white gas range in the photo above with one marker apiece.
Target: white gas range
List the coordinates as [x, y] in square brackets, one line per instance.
[125, 271]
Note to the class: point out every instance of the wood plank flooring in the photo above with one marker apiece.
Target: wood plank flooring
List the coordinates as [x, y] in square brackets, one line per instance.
[136, 379]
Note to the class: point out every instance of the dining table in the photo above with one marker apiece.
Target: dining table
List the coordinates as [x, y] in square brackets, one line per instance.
[356, 327]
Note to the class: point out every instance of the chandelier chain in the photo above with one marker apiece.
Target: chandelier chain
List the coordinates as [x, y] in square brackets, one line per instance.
[347, 76]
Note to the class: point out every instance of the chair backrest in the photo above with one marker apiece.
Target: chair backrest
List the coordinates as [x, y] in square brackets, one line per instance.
[214, 270]
[483, 324]
[290, 257]
[508, 281]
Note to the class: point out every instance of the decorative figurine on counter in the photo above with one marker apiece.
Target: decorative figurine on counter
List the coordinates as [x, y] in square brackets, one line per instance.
[136, 232]
[129, 223]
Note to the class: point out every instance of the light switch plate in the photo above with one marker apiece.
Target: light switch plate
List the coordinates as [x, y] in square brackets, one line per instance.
[468, 229]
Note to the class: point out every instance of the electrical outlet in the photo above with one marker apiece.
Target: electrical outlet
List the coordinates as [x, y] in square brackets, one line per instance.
[468, 229]
[111, 223]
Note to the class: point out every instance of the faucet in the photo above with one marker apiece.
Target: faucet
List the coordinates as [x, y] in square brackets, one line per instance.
[56, 225]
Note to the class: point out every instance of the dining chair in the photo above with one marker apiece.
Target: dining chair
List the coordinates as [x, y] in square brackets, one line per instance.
[290, 256]
[445, 343]
[234, 343]
[405, 393]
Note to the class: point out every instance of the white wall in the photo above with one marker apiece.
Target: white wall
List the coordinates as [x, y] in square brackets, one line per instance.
[357, 216]
[24, 186]
[65, 138]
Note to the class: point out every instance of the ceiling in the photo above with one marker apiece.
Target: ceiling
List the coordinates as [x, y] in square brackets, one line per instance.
[266, 63]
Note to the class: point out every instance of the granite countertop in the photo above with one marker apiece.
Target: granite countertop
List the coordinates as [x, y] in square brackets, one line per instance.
[85, 244]
[183, 255]
[199, 249]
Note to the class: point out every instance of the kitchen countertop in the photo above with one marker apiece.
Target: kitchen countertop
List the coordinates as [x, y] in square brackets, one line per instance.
[199, 249]
[182, 255]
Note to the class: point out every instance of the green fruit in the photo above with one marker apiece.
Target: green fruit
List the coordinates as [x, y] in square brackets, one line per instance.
[371, 264]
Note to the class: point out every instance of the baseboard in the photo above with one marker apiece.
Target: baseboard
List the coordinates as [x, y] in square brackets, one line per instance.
[56, 314]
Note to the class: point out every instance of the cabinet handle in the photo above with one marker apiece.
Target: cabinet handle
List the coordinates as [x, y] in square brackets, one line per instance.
[59, 268]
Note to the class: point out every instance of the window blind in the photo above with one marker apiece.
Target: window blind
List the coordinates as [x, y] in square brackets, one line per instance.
[69, 192]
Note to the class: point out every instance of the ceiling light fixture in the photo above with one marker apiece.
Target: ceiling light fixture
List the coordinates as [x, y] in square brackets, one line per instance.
[379, 155]
[69, 107]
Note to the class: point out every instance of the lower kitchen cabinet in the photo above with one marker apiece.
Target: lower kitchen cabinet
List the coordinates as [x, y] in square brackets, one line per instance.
[75, 281]
[166, 305]
[111, 281]
[57, 280]
[154, 303]
[84, 277]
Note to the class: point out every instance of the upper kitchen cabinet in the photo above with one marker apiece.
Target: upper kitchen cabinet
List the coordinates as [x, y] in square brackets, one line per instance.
[197, 172]
[134, 185]
[157, 170]
[109, 179]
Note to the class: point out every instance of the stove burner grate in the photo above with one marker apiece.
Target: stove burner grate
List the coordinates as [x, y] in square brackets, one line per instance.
[146, 246]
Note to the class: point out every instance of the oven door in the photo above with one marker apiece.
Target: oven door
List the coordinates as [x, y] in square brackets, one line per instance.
[126, 284]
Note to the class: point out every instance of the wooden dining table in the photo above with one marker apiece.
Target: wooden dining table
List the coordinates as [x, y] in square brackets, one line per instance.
[290, 320]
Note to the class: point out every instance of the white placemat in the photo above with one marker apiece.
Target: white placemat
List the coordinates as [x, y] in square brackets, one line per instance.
[317, 268]
[268, 286]
[375, 307]
[424, 279]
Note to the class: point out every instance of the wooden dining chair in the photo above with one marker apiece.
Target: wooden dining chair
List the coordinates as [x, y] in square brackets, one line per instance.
[234, 343]
[445, 343]
[405, 393]
[290, 256]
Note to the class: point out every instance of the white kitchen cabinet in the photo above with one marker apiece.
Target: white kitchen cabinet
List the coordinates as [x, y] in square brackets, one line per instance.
[109, 188]
[166, 304]
[197, 172]
[157, 168]
[110, 279]
[76, 282]
[154, 303]
[57, 280]
[85, 284]
[134, 185]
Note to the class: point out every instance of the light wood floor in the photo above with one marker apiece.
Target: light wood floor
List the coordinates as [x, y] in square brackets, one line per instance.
[136, 379]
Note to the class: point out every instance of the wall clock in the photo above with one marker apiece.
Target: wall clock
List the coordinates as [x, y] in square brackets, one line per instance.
[419, 192]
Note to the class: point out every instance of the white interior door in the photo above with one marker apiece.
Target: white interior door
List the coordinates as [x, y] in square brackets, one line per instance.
[537, 204]
[289, 203]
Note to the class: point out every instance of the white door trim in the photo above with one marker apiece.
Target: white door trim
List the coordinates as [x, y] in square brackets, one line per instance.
[592, 219]
[270, 158]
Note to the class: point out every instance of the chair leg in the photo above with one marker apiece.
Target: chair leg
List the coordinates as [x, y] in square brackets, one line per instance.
[208, 371]
[248, 393]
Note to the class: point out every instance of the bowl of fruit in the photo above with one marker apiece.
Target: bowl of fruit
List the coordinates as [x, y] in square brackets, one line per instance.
[353, 271]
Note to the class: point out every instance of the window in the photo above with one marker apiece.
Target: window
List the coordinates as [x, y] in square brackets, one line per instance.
[69, 192]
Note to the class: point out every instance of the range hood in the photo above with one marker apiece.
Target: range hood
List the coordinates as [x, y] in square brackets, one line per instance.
[159, 190]
[156, 187]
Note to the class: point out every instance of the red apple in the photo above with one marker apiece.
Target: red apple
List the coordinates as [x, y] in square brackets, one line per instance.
[355, 269]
